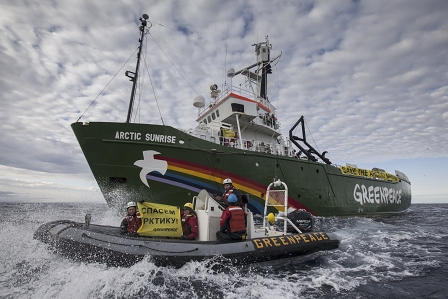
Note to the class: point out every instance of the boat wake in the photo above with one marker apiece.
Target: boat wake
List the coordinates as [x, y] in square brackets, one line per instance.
[404, 256]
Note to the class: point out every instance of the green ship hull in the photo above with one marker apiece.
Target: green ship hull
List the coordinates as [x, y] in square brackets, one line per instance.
[238, 136]
[134, 162]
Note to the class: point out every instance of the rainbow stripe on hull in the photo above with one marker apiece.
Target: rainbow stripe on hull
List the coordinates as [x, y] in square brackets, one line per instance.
[195, 177]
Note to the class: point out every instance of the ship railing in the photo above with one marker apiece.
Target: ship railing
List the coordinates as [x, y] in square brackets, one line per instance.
[233, 89]
[267, 120]
[224, 93]
[275, 148]
[240, 91]
[260, 146]
[248, 94]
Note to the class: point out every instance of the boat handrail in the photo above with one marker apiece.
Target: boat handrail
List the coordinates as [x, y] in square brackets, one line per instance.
[278, 198]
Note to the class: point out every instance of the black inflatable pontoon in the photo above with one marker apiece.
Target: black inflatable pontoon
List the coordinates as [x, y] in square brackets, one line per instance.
[105, 244]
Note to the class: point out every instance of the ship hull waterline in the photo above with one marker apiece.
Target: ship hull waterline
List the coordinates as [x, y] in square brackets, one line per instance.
[134, 162]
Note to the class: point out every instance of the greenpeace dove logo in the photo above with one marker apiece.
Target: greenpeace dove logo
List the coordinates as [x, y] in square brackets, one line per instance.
[149, 164]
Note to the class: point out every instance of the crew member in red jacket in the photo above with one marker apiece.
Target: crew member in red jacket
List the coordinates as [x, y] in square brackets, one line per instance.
[233, 222]
[189, 222]
[230, 189]
[132, 222]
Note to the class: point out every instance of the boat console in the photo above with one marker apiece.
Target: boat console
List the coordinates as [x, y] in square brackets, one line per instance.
[209, 211]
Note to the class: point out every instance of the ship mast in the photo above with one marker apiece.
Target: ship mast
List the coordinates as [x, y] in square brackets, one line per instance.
[263, 64]
[134, 75]
[262, 50]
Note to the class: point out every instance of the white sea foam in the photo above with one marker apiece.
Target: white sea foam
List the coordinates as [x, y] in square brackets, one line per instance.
[372, 252]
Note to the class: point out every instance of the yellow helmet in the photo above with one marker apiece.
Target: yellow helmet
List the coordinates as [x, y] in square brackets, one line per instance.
[271, 218]
[189, 205]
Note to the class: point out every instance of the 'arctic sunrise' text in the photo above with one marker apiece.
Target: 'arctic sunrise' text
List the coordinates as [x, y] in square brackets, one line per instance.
[147, 137]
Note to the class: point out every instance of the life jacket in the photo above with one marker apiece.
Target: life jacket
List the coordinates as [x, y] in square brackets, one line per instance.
[242, 198]
[134, 222]
[227, 193]
[237, 222]
[189, 225]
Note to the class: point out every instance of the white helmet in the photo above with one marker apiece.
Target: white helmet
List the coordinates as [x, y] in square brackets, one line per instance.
[131, 204]
[227, 181]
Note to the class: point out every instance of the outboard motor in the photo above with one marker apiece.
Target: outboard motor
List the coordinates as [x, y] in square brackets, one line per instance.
[302, 219]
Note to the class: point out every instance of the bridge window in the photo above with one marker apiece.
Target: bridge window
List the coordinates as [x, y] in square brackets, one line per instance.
[237, 108]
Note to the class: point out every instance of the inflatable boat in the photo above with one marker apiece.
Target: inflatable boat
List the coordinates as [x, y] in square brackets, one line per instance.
[264, 242]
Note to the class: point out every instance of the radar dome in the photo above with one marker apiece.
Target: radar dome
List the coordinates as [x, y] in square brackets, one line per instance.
[199, 101]
[231, 73]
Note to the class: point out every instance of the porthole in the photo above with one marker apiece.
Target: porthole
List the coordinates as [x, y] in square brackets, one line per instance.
[217, 160]
[317, 170]
[181, 141]
[257, 164]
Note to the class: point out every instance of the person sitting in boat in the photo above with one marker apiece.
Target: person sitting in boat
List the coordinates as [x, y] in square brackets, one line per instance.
[189, 222]
[233, 222]
[302, 219]
[230, 189]
[132, 222]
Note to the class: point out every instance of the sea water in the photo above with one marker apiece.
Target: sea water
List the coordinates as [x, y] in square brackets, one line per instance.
[401, 256]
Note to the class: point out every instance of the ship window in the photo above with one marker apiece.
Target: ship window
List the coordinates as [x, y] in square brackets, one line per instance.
[237, 108]
[205, 121]
[213, 115]
[217, 113]
[209, 119]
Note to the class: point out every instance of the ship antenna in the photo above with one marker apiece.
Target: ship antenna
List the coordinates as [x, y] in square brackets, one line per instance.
[133, 75]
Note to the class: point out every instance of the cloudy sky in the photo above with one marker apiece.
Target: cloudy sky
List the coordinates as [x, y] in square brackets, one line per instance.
[370, 77]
